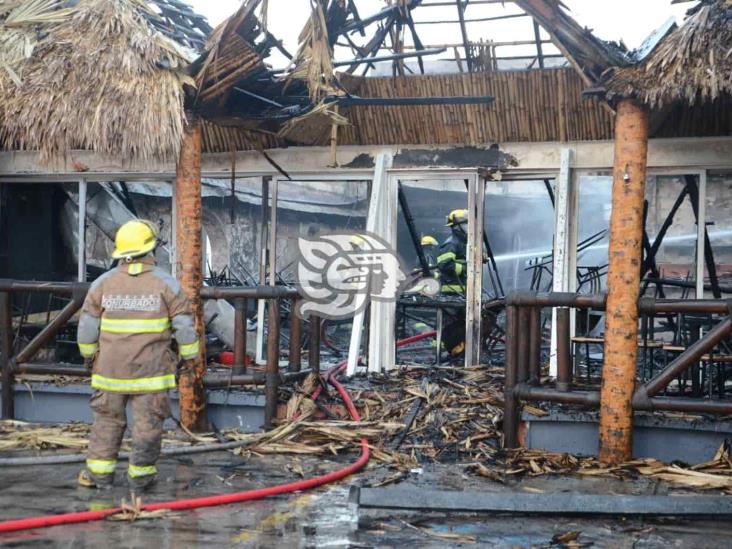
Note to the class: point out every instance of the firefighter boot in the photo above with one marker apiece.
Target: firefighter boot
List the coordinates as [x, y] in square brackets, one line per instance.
[88, 480]
[140, 484]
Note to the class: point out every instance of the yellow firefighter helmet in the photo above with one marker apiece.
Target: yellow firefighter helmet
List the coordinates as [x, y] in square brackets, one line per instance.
[134, 239]
[357, 241]
[457, 217]
[428, 241]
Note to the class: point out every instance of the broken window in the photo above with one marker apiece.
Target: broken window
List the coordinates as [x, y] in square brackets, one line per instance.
[519, 225]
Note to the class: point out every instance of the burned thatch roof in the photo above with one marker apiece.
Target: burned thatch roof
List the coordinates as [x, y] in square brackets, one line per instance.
[693, 64]
[98, 75]
[230, 58]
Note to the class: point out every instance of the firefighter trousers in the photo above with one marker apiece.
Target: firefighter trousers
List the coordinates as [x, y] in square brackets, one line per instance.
[149, 411]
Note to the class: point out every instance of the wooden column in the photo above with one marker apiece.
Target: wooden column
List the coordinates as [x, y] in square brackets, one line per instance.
[189, 252]
[621, 323]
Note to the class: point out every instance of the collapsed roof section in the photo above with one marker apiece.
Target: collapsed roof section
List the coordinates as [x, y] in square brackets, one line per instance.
[121, 87]
[682, 70]
[238, 89]
[176, 20]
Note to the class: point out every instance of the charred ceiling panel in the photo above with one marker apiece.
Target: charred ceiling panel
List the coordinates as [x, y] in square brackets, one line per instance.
[460, 157]
[363, 160]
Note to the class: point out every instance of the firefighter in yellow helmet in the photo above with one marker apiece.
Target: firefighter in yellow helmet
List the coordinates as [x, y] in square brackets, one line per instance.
[451, 263]
[429, 247]
[452, 254]
[128, 321]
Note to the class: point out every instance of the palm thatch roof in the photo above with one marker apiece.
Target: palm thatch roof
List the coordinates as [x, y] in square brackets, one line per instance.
[19, 25]
[693, 64]
[101, 77]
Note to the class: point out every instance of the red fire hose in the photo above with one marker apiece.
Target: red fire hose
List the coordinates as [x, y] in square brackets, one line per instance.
[342, 365]
[210, 501]
[415, 338]
[223, 499]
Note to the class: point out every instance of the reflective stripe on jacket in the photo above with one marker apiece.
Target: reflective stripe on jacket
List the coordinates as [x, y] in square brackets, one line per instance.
[451, 264]
[128, 320]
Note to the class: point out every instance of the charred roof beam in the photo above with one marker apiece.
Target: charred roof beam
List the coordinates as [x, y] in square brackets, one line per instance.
[464, 33]
[415, 38]
[354, 101]
[390, 11]
[374, 45]
[589, 55]
[419, 54]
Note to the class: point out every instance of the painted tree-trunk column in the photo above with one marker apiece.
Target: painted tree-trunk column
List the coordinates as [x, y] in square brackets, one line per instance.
[621, 323]
[189, 251]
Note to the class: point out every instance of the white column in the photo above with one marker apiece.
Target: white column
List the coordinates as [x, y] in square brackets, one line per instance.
[476, 205]
[260, 331]
[383, 313]
[81, 271]
[700, 251]
[269, 243]
[701, 225]
[273, 233]
[564, 264]
[378, 333]
[573, 241]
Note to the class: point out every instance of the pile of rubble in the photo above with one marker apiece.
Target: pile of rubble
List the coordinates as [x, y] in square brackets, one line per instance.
[412, 417]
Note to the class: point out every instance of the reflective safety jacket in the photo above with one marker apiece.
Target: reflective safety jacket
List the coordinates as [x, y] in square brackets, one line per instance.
[127, 322]
[452, 264]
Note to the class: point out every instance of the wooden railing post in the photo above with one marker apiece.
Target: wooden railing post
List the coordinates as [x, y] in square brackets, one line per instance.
[240, 336]
[535, 346]
[512, 407]
[6, 350]
[523, 350]
[295, 360]
[272, 372]
[314, 344]
[564, 349]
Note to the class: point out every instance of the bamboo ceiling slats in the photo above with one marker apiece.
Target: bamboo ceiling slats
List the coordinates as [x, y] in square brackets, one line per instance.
[541, 105]
[218, 139]
[530, 106]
